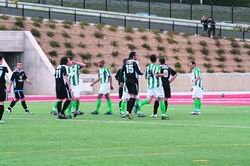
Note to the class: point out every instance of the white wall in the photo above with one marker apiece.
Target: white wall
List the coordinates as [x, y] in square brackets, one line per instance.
[11, 41]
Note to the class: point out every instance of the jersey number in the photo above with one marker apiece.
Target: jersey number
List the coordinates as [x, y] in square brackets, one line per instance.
[130, 68]
[58, 74]
[1, 72]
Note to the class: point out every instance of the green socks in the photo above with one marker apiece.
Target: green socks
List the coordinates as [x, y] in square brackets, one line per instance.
[98, 104]
[109, 102]
[197, 104]
[123, 106]
[163, 107]
[77, 105]
[144, 102]
[68, 111]
[54, 109]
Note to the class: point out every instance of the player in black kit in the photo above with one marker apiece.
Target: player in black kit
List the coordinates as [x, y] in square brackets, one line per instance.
[3, 92]
[132, 72]
[166, 81]
[63, 87]
[17, 80]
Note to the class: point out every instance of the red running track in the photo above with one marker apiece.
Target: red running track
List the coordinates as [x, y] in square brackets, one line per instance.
[236, 99]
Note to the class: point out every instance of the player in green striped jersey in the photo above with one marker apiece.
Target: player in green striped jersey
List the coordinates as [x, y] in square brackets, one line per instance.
[197, 88]
[74, 79]
[155, 89]
[105, 78]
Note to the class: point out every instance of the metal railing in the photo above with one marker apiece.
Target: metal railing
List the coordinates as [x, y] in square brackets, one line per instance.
[119, 19]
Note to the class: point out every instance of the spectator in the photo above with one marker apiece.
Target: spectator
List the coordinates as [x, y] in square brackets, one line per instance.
[211, 27]
[204, 22]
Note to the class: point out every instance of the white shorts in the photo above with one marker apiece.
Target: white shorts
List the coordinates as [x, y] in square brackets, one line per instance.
[126, 96]
[156, 92]
[197, 92]
[76, 91]
[104, 88]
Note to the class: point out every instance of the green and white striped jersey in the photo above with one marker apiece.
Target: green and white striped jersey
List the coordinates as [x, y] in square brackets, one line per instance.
[74, 74]
[151, 71]
[196, 72]
[104, 74]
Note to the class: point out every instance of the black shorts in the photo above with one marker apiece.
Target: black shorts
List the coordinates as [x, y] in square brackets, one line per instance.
[3, 95]
[120, 92]
[19, 94]
[167, 91]
[62, 93]
[133, 87]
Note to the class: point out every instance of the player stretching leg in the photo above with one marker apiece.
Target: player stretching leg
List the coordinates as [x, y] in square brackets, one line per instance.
[105, 78]
[166, 81]
[131, 71]
[63, 87]
[74, 79]
[17, 79]
[155, 89]
[197, 88]
[3, 91]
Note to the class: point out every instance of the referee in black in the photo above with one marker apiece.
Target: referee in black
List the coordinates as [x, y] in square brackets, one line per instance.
[166, 81]
[3, 91]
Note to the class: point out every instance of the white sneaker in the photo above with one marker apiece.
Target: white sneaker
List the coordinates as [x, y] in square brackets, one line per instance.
[9, 111]
[1, 122]
[195, 113]
[153, 116]
[28, 113]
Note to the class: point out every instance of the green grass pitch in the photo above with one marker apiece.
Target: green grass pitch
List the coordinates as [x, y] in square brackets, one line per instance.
[219, 137]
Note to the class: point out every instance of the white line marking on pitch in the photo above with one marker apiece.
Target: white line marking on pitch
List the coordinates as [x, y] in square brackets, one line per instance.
[136, 122]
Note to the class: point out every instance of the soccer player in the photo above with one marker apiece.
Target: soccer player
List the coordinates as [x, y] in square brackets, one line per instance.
[197, 88]
[63, 87]
[74, 79]
[155, 89]
[3, 92]
[131, 71]
[17, 80]
[166, 81]
[105, 78]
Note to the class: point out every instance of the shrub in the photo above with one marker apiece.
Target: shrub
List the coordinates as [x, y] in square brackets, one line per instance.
[246, 46]
[67, 24]
[217, 43]
[189, 42]
[206, 58]
[177, 65]
[70, 53]
[129, 30]
[53, 53]
[171, 34]
[237, 59]
[141, 29]
[35, 33]
[68, 45]
[99, 26]
[207, 65]
[3, 27]
[144, 37]
[98, 35]
[113, 65]
[113, 28]
[128, 38]
[81, 45]
[37, 19]
[191, 58]
[190, 50]
[88, 64]
[99, 55]
[4, 17]
[210, 70]
[115, 54]
[204, 51]
[175, 50]
[54, 44]
[176, 57]
[230, 39]
[221, 66]
[99, 44]
[51, 25]
[37, 24]
[146, 46]
[248, 52]
[235, 44]
[203, 43]
[161, 48]
[158, 38]
[171, 41]
[220, 51]
[85, 71]
[19, 23]
[65, 34]
[85, 56]
[179, 70]
[131, 46]
[114, 43]
[50, 34]
[82, 35]
[221, 58]
[239, 71]
[52, 61]
[83, 24]
[186, 35]
[235, 51]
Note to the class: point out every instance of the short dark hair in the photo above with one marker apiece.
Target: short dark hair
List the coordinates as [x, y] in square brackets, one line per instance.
[193, 62]
[131, 55]
[64, 61]
[153, 58]
[124, 61]
[1, 57]
[162, 60]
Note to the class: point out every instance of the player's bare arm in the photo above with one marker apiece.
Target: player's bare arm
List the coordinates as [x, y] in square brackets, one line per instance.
[172, 78]
[111, 85]
[79, 63]
[93, 83]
